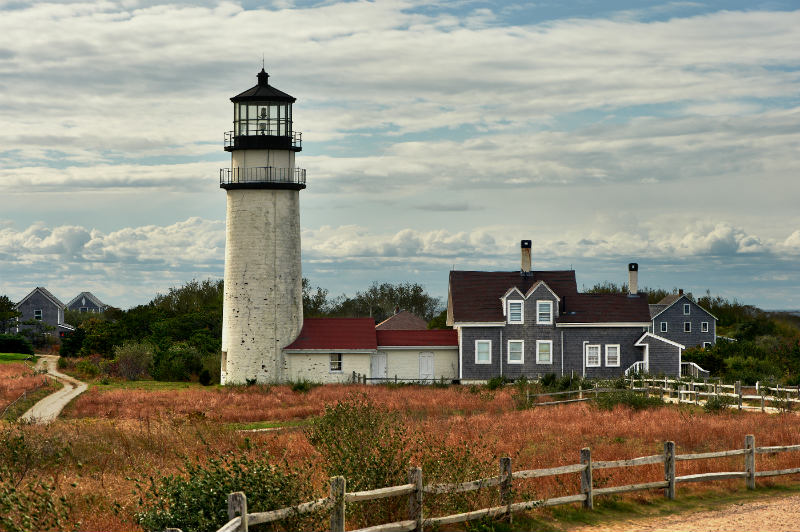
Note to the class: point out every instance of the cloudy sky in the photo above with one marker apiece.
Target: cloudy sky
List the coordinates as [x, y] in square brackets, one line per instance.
[435, 135]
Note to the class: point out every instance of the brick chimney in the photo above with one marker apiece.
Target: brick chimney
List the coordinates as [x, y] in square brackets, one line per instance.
[525, 248]
[633, 278]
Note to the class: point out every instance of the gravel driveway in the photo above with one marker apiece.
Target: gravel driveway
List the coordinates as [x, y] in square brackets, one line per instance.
[766, 515]
[46, 410]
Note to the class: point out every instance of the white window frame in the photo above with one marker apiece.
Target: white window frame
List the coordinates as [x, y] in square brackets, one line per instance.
[586, 356]
[687, 326]
[664, 327]
[521, 311]
[41, 314]
[538, 351]
[333, 359]
[703, 326]
[687, 309]
[490, 351]
[521, 352]
[706, 345]
[550, 304]
[608, 364]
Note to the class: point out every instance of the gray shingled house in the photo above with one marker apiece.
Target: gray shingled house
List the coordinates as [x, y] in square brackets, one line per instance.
[86, 302]
[41, 305]
[679, 318]
[531, 323]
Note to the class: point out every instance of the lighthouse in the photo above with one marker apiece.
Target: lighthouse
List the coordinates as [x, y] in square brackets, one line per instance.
[263, 304]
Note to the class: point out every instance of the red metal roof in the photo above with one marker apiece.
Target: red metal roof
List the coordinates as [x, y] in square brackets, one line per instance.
[336, 334]
[426, 338]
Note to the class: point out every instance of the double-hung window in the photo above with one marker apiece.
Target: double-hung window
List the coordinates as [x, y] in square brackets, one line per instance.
[592, 356]
[483, 351]
[336, 363]
[544, 312]
[516, 352]
[37, 314]
[544, 351]
[612, 355]
[687, 308]
[687, 326]
[515, 312]
[704, 326]
[663, 326]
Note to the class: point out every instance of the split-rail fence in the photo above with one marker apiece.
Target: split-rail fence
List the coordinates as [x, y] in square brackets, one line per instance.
[415, 490]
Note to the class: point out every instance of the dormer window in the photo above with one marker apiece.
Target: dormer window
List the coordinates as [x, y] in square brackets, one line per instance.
[515, 312]
[544, 312]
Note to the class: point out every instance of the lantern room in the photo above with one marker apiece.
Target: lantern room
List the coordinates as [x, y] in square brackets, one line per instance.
[262, 119]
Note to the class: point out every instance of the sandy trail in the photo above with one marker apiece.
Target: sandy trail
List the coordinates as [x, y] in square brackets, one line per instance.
[48, 409]
[766, 515]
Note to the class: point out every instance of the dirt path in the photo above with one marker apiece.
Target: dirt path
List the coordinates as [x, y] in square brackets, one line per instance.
[765, 515]
[46, 410]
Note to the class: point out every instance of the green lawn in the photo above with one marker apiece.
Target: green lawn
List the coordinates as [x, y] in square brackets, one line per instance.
[146, 385]
[15, 357]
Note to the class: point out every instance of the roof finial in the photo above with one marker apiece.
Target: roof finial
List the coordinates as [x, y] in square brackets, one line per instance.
[262, 60]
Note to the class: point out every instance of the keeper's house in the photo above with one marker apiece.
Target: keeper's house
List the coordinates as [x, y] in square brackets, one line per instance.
[531, 323]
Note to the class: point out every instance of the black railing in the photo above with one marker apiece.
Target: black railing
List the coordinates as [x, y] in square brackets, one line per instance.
[262, 174]
[232, 140]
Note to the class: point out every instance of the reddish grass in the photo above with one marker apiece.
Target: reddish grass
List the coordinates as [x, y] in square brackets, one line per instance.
[16, 378]
[280, 403]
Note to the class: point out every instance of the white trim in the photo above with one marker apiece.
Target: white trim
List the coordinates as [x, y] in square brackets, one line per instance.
[707, 345]
[540, 342]
[331, 350]
[508, 293]
[608, 324]
[460, 356]
[479, 324]
[330, 363]
[521, 352]
[423, 347]
[521, 311]
[685, 323]
[664, 326]
[538, 302]
[660, 338]
[586, 356]
[535, 287]
[703, 326]
[476, 351]
[689, 300]
[608, 365]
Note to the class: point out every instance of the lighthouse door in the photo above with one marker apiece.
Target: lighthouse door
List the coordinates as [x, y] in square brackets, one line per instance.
[377, 363]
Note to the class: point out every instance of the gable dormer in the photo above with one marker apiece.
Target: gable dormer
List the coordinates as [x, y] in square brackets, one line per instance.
[543, 303]
[513, 303]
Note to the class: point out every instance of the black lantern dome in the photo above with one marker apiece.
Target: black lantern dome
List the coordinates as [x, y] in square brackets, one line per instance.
[262, 119]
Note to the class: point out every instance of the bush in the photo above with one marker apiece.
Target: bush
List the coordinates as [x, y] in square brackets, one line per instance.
[496, 382]
[133, 359]
[197, 498]
[14, 343]
[717, 404]
[205, 377]
[303, 386]
[628, 398]
[548, 380]
[88, 368]
[178, 363]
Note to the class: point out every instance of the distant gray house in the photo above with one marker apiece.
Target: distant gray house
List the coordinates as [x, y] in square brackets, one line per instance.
[41, 305]
[678, 318]
[531, 323]
[86, 302]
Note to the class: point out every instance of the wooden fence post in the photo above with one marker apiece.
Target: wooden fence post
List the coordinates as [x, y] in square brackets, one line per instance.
[757, 387]
[739, 393]
[580, 391]
[586, 478]
[505, 481]
[750, 461]
[237, 504]
[338, 488]
[415, 499]
[762, 402]
[669, 469]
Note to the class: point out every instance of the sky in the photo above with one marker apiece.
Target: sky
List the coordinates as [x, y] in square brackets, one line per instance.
[436, 136]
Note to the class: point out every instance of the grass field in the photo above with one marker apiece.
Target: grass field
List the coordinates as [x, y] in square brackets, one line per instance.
[15, 378]
[115, 432]
[16, 357]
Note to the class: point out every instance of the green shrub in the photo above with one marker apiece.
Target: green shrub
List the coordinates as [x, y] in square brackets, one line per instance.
[205, 377]
[196, 499]
[88, 368]
[629, 398]
[717, 404]
[133, 359]
[303, 385]
[15, 343]
[548, 380]
[62, 363]
[496, 382]
[177, 363]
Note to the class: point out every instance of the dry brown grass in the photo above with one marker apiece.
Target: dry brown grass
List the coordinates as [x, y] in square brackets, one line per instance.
[118, 434]
[16, 378]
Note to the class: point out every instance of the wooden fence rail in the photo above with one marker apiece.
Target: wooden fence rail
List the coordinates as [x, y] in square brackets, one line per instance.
[415, 490]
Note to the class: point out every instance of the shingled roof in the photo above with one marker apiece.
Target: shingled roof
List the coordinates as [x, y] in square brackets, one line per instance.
[402, 321]
[475, 297]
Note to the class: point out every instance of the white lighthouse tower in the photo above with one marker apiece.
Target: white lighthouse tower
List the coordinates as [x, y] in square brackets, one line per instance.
[263, 306]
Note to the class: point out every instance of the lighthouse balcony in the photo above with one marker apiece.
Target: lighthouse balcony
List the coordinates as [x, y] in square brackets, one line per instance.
[262, 177]
[269, 138]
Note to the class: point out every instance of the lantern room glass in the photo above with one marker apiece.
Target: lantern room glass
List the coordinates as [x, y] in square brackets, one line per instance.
[262, 118]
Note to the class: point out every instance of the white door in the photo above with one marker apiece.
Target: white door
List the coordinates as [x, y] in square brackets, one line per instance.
[426, 366]
[377, 365]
